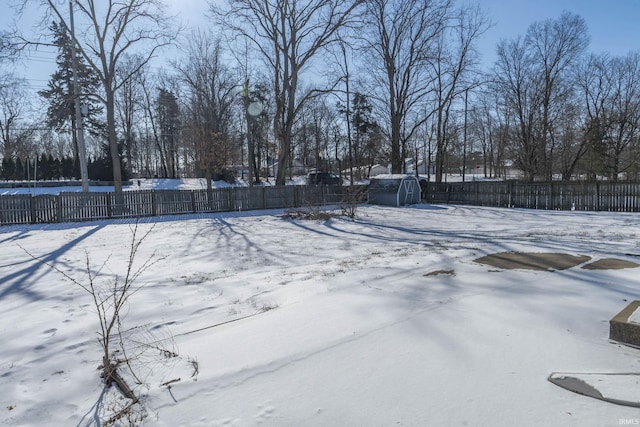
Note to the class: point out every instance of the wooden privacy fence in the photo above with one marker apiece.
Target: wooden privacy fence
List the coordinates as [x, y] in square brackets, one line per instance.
[77, 206]
[583, 196]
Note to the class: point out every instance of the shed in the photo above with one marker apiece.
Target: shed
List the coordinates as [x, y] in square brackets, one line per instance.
[394, 190]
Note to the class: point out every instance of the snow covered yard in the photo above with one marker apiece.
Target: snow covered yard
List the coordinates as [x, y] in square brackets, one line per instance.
[381, 321]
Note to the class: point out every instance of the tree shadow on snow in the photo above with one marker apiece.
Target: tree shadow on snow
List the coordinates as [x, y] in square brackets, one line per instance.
[30, 270]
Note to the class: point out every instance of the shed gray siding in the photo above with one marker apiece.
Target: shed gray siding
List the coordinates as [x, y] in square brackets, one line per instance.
[394, 190]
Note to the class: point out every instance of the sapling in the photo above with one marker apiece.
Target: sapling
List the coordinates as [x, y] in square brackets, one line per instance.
[110, 295]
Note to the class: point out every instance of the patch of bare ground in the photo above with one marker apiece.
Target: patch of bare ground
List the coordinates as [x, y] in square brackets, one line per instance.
[610, 264]
[550, 261]
[540, 261]
[440, 272]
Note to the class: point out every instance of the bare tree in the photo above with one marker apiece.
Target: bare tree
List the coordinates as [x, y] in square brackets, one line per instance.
[611, 90]
[211, 92]
[570, 141]
[128, 105]
[596, 87]
[533, 75]
[342, 64]
[624, 129]
[485, 128]
[313, 134]
[516, 85]
[14, 134]
[288, 35]
[557, 45]
[155, 155]
[9, 49]
[107, 31]
[455, 72]
[401, 37]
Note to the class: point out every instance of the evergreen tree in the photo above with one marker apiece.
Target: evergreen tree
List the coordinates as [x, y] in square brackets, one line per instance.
[60, 94]
[44, 168]
[101, 168]
[363, 148]
[30, 171]
[366, 144]
[8, 168]
[90, 168]
[66, 168]
[54, 167]
[19, 173]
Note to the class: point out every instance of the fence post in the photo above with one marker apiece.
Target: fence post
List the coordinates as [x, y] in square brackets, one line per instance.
[110, 204]
[209, 199]
[232, 199]
[193, 201]
[263, 192]
[58, 208]
[154, 203]
[32, 207]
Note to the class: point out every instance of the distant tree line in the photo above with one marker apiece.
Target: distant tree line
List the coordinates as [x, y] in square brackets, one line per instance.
[46, 168]
[340, 86]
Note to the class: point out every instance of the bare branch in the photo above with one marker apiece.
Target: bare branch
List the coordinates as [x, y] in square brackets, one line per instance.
[288, 35]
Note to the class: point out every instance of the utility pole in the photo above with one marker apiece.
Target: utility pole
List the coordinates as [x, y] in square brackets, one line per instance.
[245, 98]
[464, 148]
[82, 155]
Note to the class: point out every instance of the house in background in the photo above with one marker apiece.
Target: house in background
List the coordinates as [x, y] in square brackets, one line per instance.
[297, 168]
[379, 170]
[423, 168]
[511, 171]
[409, 168]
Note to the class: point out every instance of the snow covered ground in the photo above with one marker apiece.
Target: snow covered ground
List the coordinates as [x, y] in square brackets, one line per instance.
[385, 320]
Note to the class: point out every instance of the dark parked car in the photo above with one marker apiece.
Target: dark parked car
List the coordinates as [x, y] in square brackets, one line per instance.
[324, 178]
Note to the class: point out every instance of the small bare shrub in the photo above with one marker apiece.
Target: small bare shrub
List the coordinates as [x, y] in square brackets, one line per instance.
[353, 196]
[308, 213]
[110, 295]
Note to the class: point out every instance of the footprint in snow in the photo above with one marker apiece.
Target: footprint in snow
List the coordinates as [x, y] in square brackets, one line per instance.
[264, 413]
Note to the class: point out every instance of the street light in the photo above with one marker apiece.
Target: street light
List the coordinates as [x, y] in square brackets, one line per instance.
[252, 109]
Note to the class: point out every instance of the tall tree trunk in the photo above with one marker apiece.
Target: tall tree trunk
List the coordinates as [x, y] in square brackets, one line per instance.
[283, 159]
[113, 140]
[396, 160]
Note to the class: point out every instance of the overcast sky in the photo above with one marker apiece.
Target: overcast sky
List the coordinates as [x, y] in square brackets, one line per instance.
[612, 26]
